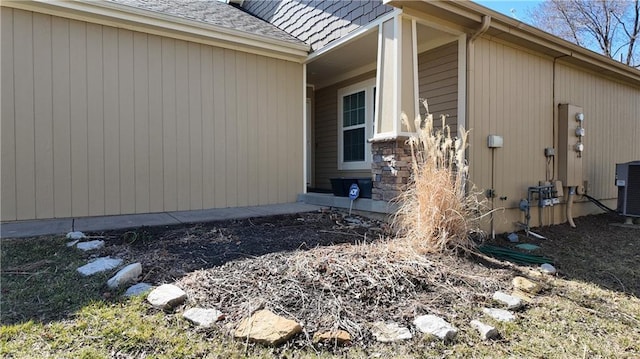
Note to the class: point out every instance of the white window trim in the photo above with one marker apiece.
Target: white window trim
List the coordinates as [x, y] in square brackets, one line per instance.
[367, 86]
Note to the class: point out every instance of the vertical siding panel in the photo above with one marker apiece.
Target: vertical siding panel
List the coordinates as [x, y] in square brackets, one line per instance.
[280, 138]
[252, 131]
[182, 117]
[127, 127]
[7, 125]
[195, 127]
[241, 130]
[295, 133]
[272, 130]
[220, 129]
[156, 178]
[262, 126]
[111, 115]
[141, 121]
[78, 93]
[24, 127]
[230, 72]
[43, 115]
[169, 125]
[95, 118]
[208, 169]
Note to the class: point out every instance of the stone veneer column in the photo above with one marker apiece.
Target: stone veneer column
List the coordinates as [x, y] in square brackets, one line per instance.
[391, 168]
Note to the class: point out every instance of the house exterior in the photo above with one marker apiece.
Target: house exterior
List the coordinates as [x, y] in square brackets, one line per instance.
[127, 106]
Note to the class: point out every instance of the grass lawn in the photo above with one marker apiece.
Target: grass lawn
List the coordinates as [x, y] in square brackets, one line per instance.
[49, 310]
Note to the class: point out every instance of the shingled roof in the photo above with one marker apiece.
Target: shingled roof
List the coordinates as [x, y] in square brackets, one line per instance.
[317, 22]
[212, 12]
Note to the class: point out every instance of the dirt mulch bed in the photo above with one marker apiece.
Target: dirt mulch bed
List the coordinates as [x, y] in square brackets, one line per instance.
[325, 269]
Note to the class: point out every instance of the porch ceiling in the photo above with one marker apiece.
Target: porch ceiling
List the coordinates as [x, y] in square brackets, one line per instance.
[357, 56]
[343, 61]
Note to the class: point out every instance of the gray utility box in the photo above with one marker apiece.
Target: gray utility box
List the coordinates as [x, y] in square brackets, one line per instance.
[628, 183]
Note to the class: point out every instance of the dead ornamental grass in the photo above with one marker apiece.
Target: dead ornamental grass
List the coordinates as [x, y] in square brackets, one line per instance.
[437, 212]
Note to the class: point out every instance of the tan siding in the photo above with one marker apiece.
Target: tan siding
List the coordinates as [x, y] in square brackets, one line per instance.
[24, 115]
[156, 126]
[78, 112]
[220, 128]
[95, 119]
[208, 165]
[438, 82]
[326, 134]
[195, 127]
[7, 126]
[241, 129]
[127, 127]
[182, 127]
[43, 115]
[611, 121]
[110, 121]
[141, 120]
[169, 125]
[521, 114]
[252, 132]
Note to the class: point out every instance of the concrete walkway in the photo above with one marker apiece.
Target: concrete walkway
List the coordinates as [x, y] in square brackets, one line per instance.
[92, 224]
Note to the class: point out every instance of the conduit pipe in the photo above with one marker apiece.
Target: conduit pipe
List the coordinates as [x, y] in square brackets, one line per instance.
[572, 194]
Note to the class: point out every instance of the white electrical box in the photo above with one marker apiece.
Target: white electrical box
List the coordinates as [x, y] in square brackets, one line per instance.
[494, 141]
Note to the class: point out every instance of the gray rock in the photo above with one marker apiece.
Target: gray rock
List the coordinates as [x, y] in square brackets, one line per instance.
[138, 289]
[500, 315]
[202, 317]
[76, 235]
[510, 301]
[91, 245]
[387, 333]
[125, 275]
[435, 325]
[486, 331]
[99, 265]
[166, 296]
[548, 268]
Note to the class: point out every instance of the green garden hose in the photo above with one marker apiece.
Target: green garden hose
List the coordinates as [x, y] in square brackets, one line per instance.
[510, 255]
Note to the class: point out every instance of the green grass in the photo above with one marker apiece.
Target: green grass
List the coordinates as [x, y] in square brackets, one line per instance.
[50, 310]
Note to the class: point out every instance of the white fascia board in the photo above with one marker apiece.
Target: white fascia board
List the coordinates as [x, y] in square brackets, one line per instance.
[134, 19]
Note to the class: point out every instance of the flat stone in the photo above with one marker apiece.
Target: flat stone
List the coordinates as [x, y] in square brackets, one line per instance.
[510, 301]
[334, 336]
[99, 265]
[166, 296]
[138, 289]
[486, 331]
[125, 275]
[525, 285]
[73, 243]
[266, 327]
[203, 317]
[76, 235]
[90, 246]
[435, 325]
[387, 333]
[548, 268]
[500, 315]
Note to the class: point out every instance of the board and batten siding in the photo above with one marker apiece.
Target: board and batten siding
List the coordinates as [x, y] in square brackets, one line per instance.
[98, 121]
[438, 83]
[512, 95]
[612, 124]
[326, 134]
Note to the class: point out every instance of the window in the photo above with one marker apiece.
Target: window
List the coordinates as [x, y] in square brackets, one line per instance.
[355, 125]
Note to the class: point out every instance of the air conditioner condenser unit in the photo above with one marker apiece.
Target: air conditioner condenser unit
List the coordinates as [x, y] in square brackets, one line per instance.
[628, 183]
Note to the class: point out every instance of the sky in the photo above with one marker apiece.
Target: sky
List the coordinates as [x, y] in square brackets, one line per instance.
[517, 9]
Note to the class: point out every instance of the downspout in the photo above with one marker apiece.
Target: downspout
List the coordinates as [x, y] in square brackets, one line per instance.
[484, 26]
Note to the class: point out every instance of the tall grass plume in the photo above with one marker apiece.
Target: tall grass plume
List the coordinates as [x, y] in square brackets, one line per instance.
[437, 212]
